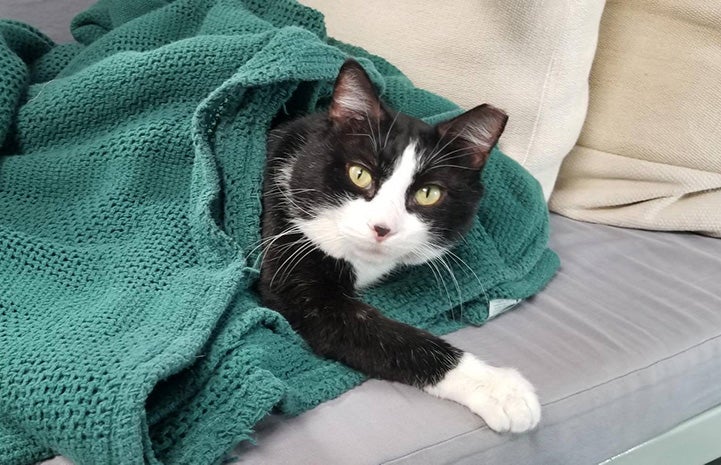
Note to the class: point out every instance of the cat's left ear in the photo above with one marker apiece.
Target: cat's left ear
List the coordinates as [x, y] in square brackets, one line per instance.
[478, 130]
[354, 97]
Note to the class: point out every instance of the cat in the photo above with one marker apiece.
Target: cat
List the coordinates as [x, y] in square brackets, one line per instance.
[352, 193]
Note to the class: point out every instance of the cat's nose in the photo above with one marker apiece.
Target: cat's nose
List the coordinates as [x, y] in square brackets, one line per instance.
[382, 231]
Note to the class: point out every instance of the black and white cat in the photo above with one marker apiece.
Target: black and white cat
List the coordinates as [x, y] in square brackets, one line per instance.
[354, 192]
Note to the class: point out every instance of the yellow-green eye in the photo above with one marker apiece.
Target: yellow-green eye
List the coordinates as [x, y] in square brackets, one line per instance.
[359, 176]
[428, 195]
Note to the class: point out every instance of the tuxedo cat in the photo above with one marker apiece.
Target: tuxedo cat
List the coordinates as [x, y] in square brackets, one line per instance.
[349, 195]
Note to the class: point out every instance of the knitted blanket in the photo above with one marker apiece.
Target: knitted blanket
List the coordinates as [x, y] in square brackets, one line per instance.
[130, 174]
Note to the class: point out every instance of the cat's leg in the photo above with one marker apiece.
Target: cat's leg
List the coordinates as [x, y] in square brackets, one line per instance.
[347, 330]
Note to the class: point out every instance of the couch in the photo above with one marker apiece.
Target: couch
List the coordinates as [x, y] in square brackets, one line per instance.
[624, 345]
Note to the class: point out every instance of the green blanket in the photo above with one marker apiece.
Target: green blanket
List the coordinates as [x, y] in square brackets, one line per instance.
[130, 175]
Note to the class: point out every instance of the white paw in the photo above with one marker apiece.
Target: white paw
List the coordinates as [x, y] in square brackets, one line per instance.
[501, 396]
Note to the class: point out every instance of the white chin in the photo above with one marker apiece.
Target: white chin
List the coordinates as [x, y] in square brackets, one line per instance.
[371, 254]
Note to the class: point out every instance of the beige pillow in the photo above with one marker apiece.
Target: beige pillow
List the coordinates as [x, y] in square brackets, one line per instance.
[650, 152]
[530, 58]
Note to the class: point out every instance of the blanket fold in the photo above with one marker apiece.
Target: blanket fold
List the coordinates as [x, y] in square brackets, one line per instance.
[130, 179]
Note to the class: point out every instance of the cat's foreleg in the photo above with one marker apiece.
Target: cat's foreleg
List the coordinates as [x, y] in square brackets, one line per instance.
[345, 329]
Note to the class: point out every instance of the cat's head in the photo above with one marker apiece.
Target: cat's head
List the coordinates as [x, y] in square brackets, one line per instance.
[371, 185]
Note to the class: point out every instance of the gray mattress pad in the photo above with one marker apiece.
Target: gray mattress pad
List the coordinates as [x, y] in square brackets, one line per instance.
[624, 344]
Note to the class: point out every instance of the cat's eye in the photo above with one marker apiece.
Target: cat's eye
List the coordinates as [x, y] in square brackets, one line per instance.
[428, 195]
[359, 176]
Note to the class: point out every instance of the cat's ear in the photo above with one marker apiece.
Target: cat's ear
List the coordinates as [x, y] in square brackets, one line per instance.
[354, 97]
[478, 130]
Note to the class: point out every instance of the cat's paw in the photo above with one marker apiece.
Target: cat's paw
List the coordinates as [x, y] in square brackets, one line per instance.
[505, 400]
[501, 396]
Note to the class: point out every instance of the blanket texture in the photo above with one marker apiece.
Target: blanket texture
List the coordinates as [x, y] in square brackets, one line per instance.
[129, 206]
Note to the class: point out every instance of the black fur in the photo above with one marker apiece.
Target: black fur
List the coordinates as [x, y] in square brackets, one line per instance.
[317, 292]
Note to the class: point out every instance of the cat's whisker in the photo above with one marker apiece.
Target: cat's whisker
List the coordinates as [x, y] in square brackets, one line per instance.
[385, 142]
[292, 256]
[445, 157]
[370, 127]
[462, 153]
[277, 189]
[450, 166]
[281, 249]
[294, 191]
[262, 242]
[454, 236]
[432, 256]
[433, 150]
[298, 255]
[277, 134]
[463, 262]
[439, 276]
[378, 125]
[424, 253]
[436, 153]
[291, 267]
[288, 198]
[301, 190]
[295, 258]
[361, 134]
[266, 243]
[455, 282]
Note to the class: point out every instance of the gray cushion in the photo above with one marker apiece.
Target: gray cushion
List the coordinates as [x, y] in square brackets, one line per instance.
[51, 17]
[623, 345]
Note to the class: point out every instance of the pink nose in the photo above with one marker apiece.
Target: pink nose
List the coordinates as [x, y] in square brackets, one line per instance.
[382, 232]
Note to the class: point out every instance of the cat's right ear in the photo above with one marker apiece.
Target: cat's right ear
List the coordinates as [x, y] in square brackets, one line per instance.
[354, 98]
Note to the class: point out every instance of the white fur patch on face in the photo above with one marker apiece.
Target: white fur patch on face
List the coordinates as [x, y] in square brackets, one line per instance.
[501, 396]
[346, 232]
